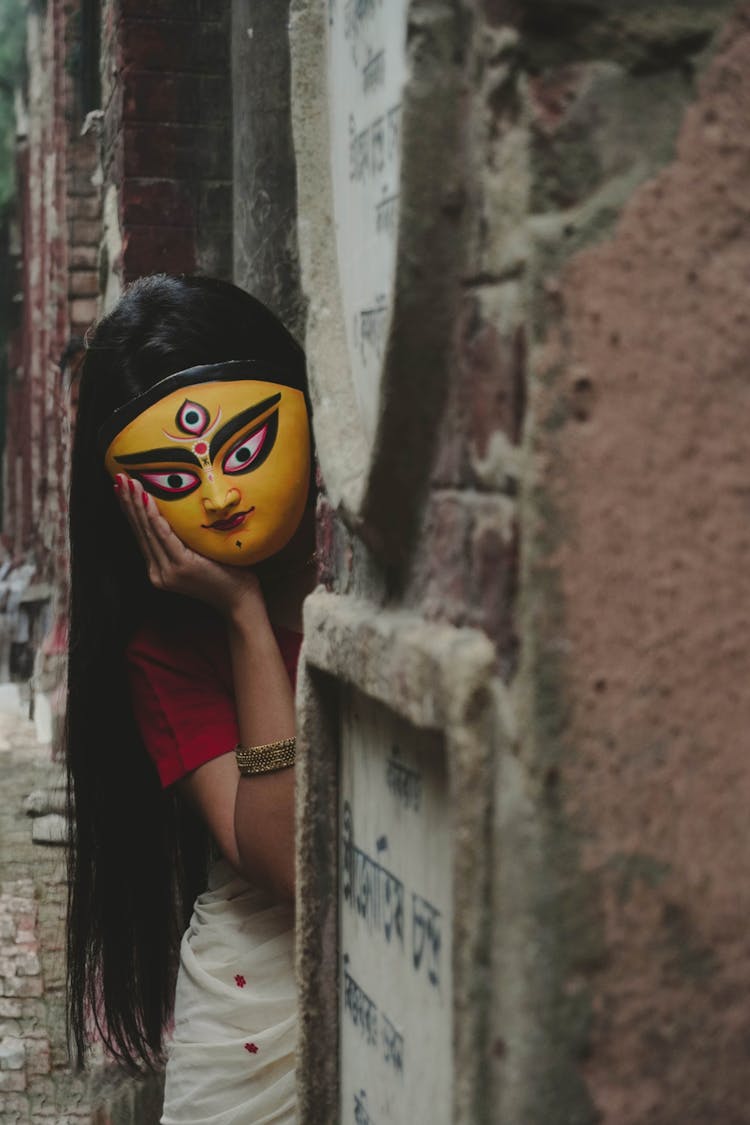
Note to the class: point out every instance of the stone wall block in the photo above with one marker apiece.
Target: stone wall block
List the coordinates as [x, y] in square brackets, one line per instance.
[83, 283]
[84, 257]
[22, 987]
[34, 1013]
[43, 1096]
[85, 207]
[439, 577]
[8, 963]
[12, 1081]
[38, 1060]
[493, 578]
[483, 420]
[83, 310]
[27, 963]
[85, 232]
[12, 1053]
[15, 1107]
[59, 1056]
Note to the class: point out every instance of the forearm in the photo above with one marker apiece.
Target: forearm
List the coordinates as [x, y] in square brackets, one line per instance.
[251, 819]
[264, 805]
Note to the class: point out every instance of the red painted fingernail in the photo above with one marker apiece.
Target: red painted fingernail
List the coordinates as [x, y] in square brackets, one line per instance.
[145, 499]
[131, 484]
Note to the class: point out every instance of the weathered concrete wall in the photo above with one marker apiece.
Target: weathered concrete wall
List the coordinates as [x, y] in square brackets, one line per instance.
[584, 512]
[417, 545]
[636, 568]
[266, 260]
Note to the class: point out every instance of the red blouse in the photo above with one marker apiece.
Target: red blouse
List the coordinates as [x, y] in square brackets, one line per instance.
[182, 691]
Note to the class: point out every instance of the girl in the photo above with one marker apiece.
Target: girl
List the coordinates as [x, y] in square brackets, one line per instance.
[191, 528]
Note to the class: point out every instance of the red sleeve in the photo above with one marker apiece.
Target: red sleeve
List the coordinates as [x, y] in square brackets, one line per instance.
[182, 702]
[183, 696]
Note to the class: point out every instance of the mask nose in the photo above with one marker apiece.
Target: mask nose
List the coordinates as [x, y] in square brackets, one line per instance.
[217, 504]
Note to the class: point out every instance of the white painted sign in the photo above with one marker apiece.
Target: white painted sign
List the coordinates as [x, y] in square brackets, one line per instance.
[367, 73]
[395, 921]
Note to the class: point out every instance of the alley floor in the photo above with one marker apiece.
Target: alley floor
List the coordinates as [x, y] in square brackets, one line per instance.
[37, 1086]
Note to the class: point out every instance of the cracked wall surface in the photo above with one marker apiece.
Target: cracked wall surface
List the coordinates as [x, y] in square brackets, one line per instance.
[641, 455]
[584, 510]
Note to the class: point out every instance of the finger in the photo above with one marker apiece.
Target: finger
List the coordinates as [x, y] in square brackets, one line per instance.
[140, 500]
[126, 495]
[172, 548]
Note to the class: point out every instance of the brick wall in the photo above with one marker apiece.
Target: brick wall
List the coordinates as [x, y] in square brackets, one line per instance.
[167, 135]
[124, 168]
[59, 218]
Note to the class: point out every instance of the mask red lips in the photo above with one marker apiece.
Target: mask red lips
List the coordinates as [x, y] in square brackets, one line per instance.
[231, 523]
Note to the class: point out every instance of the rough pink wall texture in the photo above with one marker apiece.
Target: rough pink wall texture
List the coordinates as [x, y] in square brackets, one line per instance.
[643, 451]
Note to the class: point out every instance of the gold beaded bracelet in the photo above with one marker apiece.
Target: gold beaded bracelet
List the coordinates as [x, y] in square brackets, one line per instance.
[264, 759]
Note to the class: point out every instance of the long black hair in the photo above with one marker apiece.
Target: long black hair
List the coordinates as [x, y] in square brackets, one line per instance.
[136, 858]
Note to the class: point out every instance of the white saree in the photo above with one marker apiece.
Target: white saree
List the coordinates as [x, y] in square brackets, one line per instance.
[231, 1057]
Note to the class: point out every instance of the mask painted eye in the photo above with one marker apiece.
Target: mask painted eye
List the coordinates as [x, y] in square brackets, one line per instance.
[170, 485]
[253, 449]
[192, 418]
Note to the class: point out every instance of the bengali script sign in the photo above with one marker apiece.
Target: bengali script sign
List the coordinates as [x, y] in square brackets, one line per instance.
[395, 921]
[367, 71]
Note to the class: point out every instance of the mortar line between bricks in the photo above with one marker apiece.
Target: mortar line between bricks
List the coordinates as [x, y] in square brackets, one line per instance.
[129, 72]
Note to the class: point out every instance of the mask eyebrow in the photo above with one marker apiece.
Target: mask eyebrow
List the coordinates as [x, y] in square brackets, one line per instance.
[150, 455]
[230, 428]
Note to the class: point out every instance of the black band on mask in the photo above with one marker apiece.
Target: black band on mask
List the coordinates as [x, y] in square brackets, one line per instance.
[229, 372]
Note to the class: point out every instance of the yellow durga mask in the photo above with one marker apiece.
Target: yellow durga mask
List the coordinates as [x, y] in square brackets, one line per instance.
[225, 454]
